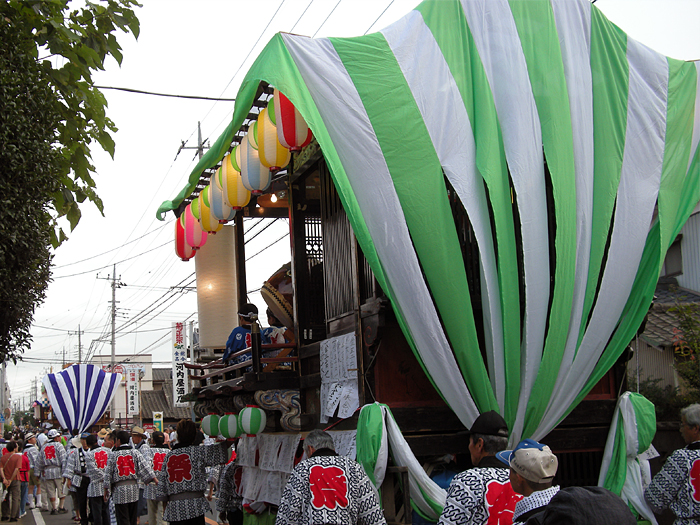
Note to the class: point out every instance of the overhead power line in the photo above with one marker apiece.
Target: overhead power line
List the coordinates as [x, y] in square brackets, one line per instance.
[113, 249]
[107, 266]
[143, 92]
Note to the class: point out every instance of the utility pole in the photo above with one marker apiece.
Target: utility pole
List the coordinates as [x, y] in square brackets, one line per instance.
[80, 346]
[200, 143]
[116, 283]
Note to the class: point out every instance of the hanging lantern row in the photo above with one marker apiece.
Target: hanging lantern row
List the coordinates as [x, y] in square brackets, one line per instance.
[246, 171]
[251, 421]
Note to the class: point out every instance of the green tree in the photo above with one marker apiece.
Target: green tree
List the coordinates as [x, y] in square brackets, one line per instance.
[50, 118]
[687, 347]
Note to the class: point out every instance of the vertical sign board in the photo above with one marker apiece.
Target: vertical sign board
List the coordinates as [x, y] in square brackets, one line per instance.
[132, 391]
[158, 421]
[180, 383]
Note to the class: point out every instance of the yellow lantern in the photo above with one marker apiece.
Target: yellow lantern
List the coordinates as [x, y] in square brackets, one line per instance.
[207, 220]
[272, 154]
[235, 194]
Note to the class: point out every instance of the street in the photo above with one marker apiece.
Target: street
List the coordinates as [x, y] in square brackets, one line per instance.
[37, 517]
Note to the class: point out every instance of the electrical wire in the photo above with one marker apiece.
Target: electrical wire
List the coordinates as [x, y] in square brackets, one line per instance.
[267, 247]
[142, 92]
[302, 16]
[380, 15]
[326, 20]
[109, 251]
[246, 58]
[112, 264]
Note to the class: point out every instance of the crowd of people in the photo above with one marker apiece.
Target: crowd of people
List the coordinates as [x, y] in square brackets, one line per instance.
[113, 477]
[118, 476]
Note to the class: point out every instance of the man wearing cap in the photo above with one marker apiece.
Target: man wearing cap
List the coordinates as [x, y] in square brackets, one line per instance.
[677, 485]
[482, 494]
[49, 464]
[532, 469]
[240, 338]
[101, 435]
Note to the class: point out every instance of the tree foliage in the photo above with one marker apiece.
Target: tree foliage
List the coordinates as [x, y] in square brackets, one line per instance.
[51, 116]
[687, 347]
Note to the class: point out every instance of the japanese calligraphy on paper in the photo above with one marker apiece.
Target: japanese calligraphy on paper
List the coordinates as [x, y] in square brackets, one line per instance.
[339, 389]
[180, 382]
[132, 392]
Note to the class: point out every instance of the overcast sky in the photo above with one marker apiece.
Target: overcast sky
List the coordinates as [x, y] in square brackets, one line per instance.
[205, 48]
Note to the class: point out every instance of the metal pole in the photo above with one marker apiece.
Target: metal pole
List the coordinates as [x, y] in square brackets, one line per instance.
[80, 348]
[114, 325]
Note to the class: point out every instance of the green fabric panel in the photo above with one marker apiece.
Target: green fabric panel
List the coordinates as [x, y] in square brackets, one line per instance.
[645, 413]
[460, 53]
[370, 429]
[608, 61]
[540, 41]
[645, 282]
[679, 133]
[617, 471]
[369, 62]
[289, 81]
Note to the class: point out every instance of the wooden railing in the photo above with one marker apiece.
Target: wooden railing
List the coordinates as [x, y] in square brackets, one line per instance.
[218, 369]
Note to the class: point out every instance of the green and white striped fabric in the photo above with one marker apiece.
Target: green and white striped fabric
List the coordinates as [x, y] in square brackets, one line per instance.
[573, 149]
[625, 469]
[377, 433]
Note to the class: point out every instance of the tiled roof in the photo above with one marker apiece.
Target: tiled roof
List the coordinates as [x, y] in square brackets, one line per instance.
[162, 401]
[162, 374]
[661, 322]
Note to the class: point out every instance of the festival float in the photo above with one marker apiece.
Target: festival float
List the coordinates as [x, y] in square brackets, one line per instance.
[480, 200]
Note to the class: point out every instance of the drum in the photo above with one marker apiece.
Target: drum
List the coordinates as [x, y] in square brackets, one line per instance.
[278, 294]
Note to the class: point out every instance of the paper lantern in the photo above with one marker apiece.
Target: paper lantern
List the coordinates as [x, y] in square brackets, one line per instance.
[195, 208]
[229, 427]
[292, 130]
[218, 206]
[217, 292]
[271, 153]
[235, 193]
[255, 176]
[207, 221]
[253, 132]
[210, 425]
[194, 235]
[236, 158]
[253, 420]
[183, 250]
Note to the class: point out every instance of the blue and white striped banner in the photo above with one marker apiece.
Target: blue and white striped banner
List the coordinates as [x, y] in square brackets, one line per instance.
[80, 394]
